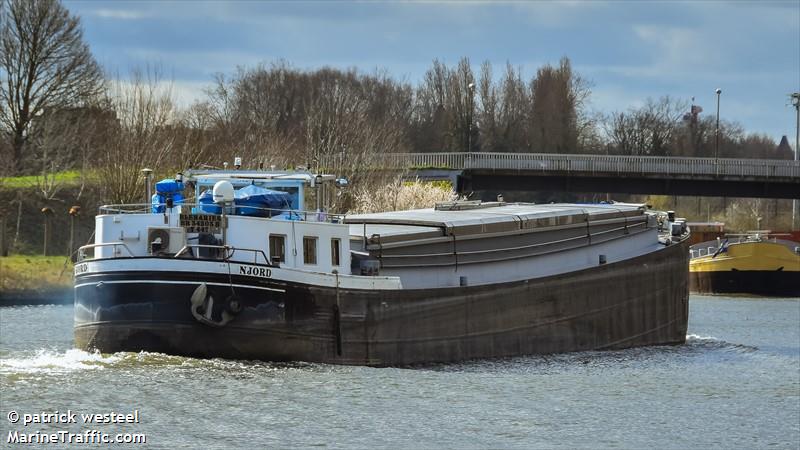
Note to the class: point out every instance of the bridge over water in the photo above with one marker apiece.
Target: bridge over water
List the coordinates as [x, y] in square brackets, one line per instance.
[503, 172]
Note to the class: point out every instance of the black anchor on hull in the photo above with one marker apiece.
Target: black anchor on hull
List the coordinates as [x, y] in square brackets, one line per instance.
[202, 307]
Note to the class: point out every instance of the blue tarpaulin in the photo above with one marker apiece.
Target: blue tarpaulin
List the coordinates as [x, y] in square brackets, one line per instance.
[248, 200]
[166, 189]
[169, 186]
[207, 205]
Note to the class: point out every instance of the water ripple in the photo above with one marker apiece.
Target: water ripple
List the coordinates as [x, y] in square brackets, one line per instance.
[53, 362]
[695, 346]
[45, 360]
[59, 362]
[734, 383]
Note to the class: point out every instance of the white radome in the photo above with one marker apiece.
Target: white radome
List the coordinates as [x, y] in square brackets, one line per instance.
[223, 192]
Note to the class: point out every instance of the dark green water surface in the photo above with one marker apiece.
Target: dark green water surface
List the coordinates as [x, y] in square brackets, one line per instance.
[736, 383]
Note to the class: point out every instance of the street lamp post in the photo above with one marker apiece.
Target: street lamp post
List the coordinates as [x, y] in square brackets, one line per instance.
[73, 212]
[796, 103]
[471, 89]
[47, 212]
[148, 174]
[716, 132]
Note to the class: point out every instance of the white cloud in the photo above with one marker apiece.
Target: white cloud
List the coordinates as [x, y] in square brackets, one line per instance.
[675, 48]
[188, 92]
[172, 97]
[608, 98]
[555, 14]
[200, 62]
[119, 14]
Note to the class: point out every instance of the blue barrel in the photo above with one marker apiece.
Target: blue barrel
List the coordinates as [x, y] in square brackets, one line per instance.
[157, 202]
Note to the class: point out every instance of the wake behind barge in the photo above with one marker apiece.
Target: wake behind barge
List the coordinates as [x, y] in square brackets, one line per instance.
[460, 281]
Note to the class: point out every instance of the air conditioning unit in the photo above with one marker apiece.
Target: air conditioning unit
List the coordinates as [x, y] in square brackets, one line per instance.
[165, 240]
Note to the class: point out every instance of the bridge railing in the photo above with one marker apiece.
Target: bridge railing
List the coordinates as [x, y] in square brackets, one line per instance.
[547, 162]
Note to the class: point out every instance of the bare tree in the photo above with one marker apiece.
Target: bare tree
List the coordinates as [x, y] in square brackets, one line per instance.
[350, 121]
[558, 97]
[488, 114]
[64, 139]
[329, 119]
[695, 137]
[45, 64]
[444, 118]
[196, 140]
[432, 116]
[462, 102]
[144, 134]
[650, 130]
[513, 113]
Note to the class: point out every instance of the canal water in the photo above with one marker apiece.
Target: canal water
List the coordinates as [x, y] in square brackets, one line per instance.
[736, 383]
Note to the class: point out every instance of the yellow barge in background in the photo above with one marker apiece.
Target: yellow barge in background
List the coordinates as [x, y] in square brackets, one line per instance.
[754, 263]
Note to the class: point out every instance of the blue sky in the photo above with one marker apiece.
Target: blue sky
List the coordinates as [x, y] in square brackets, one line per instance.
[629, 50]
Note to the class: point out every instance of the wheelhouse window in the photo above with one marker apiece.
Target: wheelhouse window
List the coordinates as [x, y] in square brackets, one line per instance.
[336, 250]
[309, 250]
[277, 248]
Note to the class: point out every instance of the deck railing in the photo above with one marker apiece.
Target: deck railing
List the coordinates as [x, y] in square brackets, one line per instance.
[117, 246]
[605, 164]
[195, 208]
[227, 252]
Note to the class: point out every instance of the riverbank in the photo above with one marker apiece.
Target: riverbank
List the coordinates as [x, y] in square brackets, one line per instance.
[35, 280]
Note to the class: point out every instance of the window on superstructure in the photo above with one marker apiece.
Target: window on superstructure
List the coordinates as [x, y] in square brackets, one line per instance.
[309, 250]
[336, 249]
[277, 248]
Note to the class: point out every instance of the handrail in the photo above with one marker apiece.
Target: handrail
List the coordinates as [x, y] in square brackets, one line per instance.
[82, 250]
[225, 248]
[255, 251]
[545, 162]
[123, 208]
[189, 246]
[141, 208]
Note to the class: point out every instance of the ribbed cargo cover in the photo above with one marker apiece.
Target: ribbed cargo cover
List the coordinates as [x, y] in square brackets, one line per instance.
[394, 233]
[494, 219]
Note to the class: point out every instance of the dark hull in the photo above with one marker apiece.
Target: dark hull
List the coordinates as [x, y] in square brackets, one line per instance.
[772, 283]
[641, 301]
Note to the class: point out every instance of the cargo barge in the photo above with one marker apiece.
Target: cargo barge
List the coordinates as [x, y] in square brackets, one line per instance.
[756, 263]
[251, 275]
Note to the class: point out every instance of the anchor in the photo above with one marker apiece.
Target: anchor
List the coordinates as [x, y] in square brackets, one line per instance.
[202, 307]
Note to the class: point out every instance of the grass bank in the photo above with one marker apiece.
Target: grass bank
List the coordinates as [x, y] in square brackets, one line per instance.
[67, 178]
[28, 273]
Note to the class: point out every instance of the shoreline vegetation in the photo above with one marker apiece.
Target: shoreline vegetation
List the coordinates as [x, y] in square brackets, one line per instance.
[31, 279]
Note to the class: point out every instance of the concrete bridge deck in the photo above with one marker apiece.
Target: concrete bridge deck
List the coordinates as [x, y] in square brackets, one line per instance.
[765, 178]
